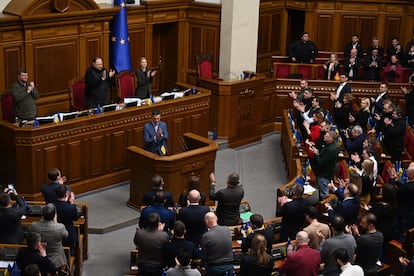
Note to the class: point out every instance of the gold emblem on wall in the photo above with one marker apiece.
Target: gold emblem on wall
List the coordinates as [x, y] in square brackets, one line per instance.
[60, 5]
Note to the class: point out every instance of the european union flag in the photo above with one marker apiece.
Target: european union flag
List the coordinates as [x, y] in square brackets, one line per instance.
[121, 55]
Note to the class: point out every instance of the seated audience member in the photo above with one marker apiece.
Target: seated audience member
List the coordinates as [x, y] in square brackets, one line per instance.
[354, 141]
[167, 216]
[341, 111]
[352, 65]
[151, 242]
[409, 101]
[193, 184]
[373, 66]
[178, 242]
[49, 190]
[67, 214]
[303, 50]
[348, 204]
[304, 260]
[35, 253]
[339, 240]
[369, 244]
[386, 213]
[315, 228]
[364, 113]
[395, 49]
[193, 218]
[183, 267]
[52, 233]
[355, 44]
[342, 258]
[331, 68]
[228, 199]
[366, 175]
[216, 247]
[393, 70]
[257, 261]
[11, 231]
[293, 213]
[157, 185]
[256, 222]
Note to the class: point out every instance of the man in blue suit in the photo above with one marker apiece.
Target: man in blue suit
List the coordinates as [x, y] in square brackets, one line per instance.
[156, 134]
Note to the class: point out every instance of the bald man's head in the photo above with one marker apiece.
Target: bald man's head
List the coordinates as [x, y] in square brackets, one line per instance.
[194, 196]
[211, 219]
[302, 237]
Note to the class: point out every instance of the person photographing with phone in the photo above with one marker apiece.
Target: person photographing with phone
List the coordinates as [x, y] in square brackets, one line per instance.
[24, 95]
[11, 231]
[97, 80]
[145, 77]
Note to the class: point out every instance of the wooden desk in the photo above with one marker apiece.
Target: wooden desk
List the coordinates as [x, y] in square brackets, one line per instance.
[91, 151]
[236, 109]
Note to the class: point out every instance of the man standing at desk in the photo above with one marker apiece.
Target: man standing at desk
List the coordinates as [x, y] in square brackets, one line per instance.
[97, 81]
[24, 96]
[156, 134]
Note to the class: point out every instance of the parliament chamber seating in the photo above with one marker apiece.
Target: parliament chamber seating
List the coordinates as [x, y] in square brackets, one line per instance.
[77, 98]
[126, 83]
[81, 225]
[7, 109]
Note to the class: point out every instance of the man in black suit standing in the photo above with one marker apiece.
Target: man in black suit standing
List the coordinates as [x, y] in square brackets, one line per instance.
[354, 44]
[228, 200]
[193, 218]
[157, 185]
[342, 88]
[377, 103]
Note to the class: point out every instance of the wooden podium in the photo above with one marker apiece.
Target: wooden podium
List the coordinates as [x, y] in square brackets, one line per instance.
[196, 158]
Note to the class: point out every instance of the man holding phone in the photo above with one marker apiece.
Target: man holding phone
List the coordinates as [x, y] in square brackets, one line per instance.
[11, 231]
[97, 80]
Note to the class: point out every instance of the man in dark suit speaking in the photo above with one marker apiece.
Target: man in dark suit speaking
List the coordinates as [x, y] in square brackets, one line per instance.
[156, 134]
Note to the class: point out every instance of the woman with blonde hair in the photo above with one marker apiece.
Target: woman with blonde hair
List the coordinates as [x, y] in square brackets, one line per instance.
[257, 261]
[367, 181]
[331, 67]
[364, 113]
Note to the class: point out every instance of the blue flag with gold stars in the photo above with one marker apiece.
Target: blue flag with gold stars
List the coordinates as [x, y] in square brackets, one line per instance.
[120, 53]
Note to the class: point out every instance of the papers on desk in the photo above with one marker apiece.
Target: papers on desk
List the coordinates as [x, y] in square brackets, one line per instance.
[129, 101]
[5, 264]
[68, 115]
[308, 189]
[175, 95]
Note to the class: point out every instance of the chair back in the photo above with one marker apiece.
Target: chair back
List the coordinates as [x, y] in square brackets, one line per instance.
[126, 83]
[205, 66]
[77, 98]
[7, 108]
[305, 70]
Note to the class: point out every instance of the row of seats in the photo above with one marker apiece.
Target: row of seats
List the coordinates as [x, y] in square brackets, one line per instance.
[81, 249]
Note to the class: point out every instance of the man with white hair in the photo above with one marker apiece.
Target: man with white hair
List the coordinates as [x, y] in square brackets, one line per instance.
[216, 247]
[303, 257]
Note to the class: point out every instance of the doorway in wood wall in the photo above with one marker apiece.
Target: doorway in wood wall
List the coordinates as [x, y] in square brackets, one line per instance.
[165, 53]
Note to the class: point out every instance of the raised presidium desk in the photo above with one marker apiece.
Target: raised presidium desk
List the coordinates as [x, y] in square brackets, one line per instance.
[92, 150]
[197, 158]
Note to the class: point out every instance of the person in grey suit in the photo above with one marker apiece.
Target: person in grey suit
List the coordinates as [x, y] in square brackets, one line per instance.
[338, 240]
[52, 233]
[156, 134]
